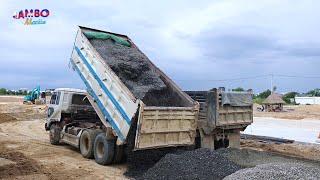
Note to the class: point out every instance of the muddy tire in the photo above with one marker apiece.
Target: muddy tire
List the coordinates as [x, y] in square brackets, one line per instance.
[118, 154]
[54, 134]
[87, 142]
[103, 149]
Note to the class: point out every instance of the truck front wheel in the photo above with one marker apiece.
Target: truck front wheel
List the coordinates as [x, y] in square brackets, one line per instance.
[54, 134]
[87, 142]
[103, 149]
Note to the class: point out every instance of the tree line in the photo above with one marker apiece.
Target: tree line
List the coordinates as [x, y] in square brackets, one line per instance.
[4, 91]
[287, 97]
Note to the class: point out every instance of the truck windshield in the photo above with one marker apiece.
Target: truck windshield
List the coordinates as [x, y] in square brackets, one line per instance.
[79, 99]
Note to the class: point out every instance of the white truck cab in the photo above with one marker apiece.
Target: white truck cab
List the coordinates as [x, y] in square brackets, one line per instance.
[72, 120]
[66, 103]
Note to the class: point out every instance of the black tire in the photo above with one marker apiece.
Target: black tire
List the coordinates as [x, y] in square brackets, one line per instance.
[87, 142]
[54, 134]
[118, 154]
[103, 149]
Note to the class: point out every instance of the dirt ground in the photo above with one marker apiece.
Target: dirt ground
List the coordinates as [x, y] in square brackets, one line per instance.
[25, 151]
[296, 112]
[300, 150]
[4, 99]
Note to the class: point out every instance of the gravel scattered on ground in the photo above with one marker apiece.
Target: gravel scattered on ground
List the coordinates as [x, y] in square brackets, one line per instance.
[135, 71]
[197, 164]
[205, 163]
[251, 158]
[276, 171]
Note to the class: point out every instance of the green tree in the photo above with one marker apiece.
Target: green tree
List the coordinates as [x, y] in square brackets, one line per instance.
[9, 92]
[264, 94]
[25, 92]
[288, 96]
[259, 98]
[3, 91]
[315, 92]
[238, 89]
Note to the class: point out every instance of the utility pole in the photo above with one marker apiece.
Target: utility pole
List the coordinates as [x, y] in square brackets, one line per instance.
[271, 89]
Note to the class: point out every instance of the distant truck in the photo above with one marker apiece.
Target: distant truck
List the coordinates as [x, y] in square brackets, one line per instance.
[112, 114]
[222, 116]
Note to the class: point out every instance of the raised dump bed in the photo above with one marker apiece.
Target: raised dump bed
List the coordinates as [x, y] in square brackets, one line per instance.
[125, 88]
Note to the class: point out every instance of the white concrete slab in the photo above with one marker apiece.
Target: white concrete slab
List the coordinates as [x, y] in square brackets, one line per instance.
[305, 130]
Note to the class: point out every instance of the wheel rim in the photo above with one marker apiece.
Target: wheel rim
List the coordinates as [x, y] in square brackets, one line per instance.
[100, 149]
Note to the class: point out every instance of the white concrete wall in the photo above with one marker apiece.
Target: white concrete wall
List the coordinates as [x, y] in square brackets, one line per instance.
[307, 100]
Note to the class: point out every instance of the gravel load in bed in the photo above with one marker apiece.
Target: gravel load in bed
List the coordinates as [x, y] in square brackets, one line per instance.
[135, 71]
[196, 164]
[276, 171]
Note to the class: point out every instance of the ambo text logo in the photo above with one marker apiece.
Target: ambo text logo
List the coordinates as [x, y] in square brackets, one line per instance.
[32, 16]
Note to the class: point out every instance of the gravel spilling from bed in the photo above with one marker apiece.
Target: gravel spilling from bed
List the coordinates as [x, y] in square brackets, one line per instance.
[276, 171]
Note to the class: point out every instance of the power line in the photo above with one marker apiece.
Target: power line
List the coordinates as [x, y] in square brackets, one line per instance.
[292, 76]
[272, 76]
[232, 79]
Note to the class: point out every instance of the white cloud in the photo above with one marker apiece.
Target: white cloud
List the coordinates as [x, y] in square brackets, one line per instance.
[176, 35]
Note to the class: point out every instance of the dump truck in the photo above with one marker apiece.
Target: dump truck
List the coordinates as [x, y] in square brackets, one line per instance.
[222, 116]
[129, 102]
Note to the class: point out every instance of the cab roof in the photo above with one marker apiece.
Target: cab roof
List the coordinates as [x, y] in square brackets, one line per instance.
[74, 90]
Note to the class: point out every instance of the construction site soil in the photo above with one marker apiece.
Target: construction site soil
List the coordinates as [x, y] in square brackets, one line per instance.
[137, 73]
[294, 112]
[309, 151]
[26, 153]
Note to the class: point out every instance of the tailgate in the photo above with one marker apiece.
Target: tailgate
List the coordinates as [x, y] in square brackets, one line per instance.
[165, 127]
[214, 114]
[232, 115]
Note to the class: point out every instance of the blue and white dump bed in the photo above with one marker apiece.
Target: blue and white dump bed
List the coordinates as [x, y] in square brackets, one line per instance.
[118, 107]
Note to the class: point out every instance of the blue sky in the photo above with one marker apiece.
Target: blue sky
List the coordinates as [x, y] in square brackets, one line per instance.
[199, 44]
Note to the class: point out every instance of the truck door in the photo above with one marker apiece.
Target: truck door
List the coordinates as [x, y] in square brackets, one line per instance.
[54, 112]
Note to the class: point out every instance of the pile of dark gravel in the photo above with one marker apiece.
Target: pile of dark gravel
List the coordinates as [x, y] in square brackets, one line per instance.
[207, 164]
[140, 161]
[135, 71]
[275, 171]
[196, 164]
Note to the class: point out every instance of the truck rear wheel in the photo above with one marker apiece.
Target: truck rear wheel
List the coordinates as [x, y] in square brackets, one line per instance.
[54, 134]
[87, 142]
[103, 149]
